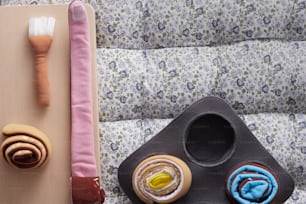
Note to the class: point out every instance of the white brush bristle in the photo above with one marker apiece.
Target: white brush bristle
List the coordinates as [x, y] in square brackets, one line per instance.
[41, 26]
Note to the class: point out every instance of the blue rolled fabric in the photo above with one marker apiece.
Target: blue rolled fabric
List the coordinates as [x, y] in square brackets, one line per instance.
[252, 184]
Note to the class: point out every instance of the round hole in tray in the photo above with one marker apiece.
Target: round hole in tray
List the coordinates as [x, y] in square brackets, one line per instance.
[210, 140]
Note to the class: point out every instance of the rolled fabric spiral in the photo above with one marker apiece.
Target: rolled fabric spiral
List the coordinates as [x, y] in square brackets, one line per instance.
[161, 179]
[25, 147]
[251, 183]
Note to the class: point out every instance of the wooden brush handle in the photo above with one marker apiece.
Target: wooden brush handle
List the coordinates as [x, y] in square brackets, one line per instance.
[41, 45]
[42, 82]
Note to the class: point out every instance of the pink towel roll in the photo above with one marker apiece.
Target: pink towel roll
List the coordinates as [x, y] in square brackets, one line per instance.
[83, 160]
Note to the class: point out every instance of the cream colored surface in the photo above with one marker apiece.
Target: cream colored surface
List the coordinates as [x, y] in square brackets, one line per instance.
[18, 103]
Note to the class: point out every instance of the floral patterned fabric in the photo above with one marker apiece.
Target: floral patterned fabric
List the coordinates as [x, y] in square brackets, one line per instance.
[153, 83]
[250, 53]
[264, 76]
[159, 23]
[253, 76]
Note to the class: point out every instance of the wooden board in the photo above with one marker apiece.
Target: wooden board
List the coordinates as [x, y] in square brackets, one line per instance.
[18, 103]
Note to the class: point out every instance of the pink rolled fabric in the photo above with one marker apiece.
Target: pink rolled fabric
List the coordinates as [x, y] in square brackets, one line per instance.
[83, 161]
[82, 130]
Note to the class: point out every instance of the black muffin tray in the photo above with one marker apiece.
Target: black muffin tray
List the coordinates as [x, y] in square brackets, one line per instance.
[211, 139]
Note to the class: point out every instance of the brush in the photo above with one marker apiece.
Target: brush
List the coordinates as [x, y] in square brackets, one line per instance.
[40, 37]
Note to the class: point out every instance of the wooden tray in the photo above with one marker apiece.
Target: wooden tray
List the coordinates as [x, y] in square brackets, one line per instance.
[18, 104]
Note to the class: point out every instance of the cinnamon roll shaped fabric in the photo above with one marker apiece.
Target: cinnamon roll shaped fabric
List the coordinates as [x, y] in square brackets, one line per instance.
[25, 146]
[161, 179]
[252, 183]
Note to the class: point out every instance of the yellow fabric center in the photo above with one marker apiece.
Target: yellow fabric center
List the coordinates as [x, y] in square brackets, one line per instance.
[160, 181]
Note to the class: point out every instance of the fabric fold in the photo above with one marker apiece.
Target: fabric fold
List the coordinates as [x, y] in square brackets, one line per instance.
[161, 179]
[25, 146]
[252, 183]
[83, 160]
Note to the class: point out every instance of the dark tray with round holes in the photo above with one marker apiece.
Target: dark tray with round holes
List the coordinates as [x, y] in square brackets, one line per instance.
[211, 138]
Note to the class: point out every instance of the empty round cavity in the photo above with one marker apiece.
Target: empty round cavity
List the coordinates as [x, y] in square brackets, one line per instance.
[209, 140]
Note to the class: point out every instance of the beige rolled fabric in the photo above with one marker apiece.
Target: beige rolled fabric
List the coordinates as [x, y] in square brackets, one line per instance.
[161, 179]
[25, 147]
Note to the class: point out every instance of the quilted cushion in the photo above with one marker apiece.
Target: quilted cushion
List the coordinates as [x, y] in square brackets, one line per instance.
[159, 23]
[253, 76]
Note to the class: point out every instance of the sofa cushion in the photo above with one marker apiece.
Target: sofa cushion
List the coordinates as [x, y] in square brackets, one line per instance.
[153, 83]
[253, 76]
[142, 24]
[263, 76]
